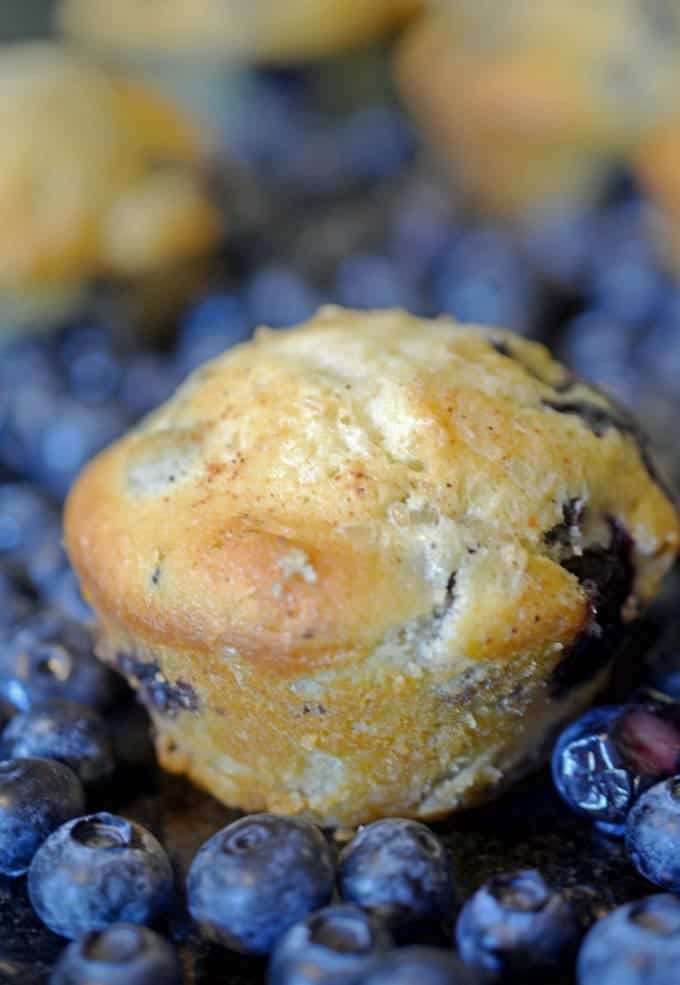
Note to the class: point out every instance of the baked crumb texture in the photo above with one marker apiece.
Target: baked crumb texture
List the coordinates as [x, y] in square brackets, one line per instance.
[101, 178]
[265, 30]
[369, 565]
[531, 104]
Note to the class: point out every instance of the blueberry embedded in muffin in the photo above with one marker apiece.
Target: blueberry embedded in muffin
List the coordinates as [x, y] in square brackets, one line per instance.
[387, 556]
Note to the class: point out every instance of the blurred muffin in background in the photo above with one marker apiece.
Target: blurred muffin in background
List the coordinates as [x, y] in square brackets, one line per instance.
[276, 31]
[657, 165]
[531, 104]
[101, 181]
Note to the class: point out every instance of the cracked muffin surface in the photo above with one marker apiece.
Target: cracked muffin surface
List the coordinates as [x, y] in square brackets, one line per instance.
[369, 565]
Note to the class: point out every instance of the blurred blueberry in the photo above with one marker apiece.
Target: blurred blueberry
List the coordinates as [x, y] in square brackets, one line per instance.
[61, 730]
[636, 944]
[92, 365]
[98, 870]
[484, 279]
[277, 296]
[75, 435]
[63, 594]
[314, 165]
[588, 770]
[15, 605]
[26, 518]
[256, 878]
[376, 142]
[421, 232]
[420, 966]
[210, 327]
[149, 379]
[601, 348]
[559, 246]
[653, 834]
[398, 870]
[658, 351]
[50, 657]
[36, 796]
[337, 945]
[25, 413]
[516, 925]
[122, 954]
[625, 279]
[368, 280]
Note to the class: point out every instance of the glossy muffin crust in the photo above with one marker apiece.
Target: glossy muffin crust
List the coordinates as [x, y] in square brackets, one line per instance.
[368, 565]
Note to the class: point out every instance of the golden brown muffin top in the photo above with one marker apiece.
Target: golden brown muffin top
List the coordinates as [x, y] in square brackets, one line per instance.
[269, 30]
[306, 493]
[98, 176]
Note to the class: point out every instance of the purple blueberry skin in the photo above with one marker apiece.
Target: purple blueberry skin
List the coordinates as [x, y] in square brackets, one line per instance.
[65, 731]
[123, 954]
[421, 965]
[98, 870]
[515, 924]
[398, 870]
[257, 877]
[588, 771]
[653, 834]
[50, 658]
[36, 796]
[338, 945]
[636, 944]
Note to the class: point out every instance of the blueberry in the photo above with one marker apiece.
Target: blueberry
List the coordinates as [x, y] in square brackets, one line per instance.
[376, 142]
[93, 367]
[73, 436]
[515, 924]
[625, 279]
[636, 944]
[122, 954]
[51, 575]
[97, 870]
[149, 379]
[36, 796]
[647, 736]
[420, 966]
[16, 605]
[65, 731]
[256, 878]
[277, 296]
[368, 280]
[653, 834]
[398, 870]
[26, 517]
[588, 770]
[215, 324]
[483, 279]
[559, 245]
[335, 946]
[602, 349]
[50, 657]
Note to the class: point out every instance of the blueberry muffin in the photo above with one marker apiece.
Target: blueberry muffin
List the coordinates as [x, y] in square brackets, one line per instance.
[531, 104]
[264, 30]
[657, 165]
[100, 180]
[369, 565]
